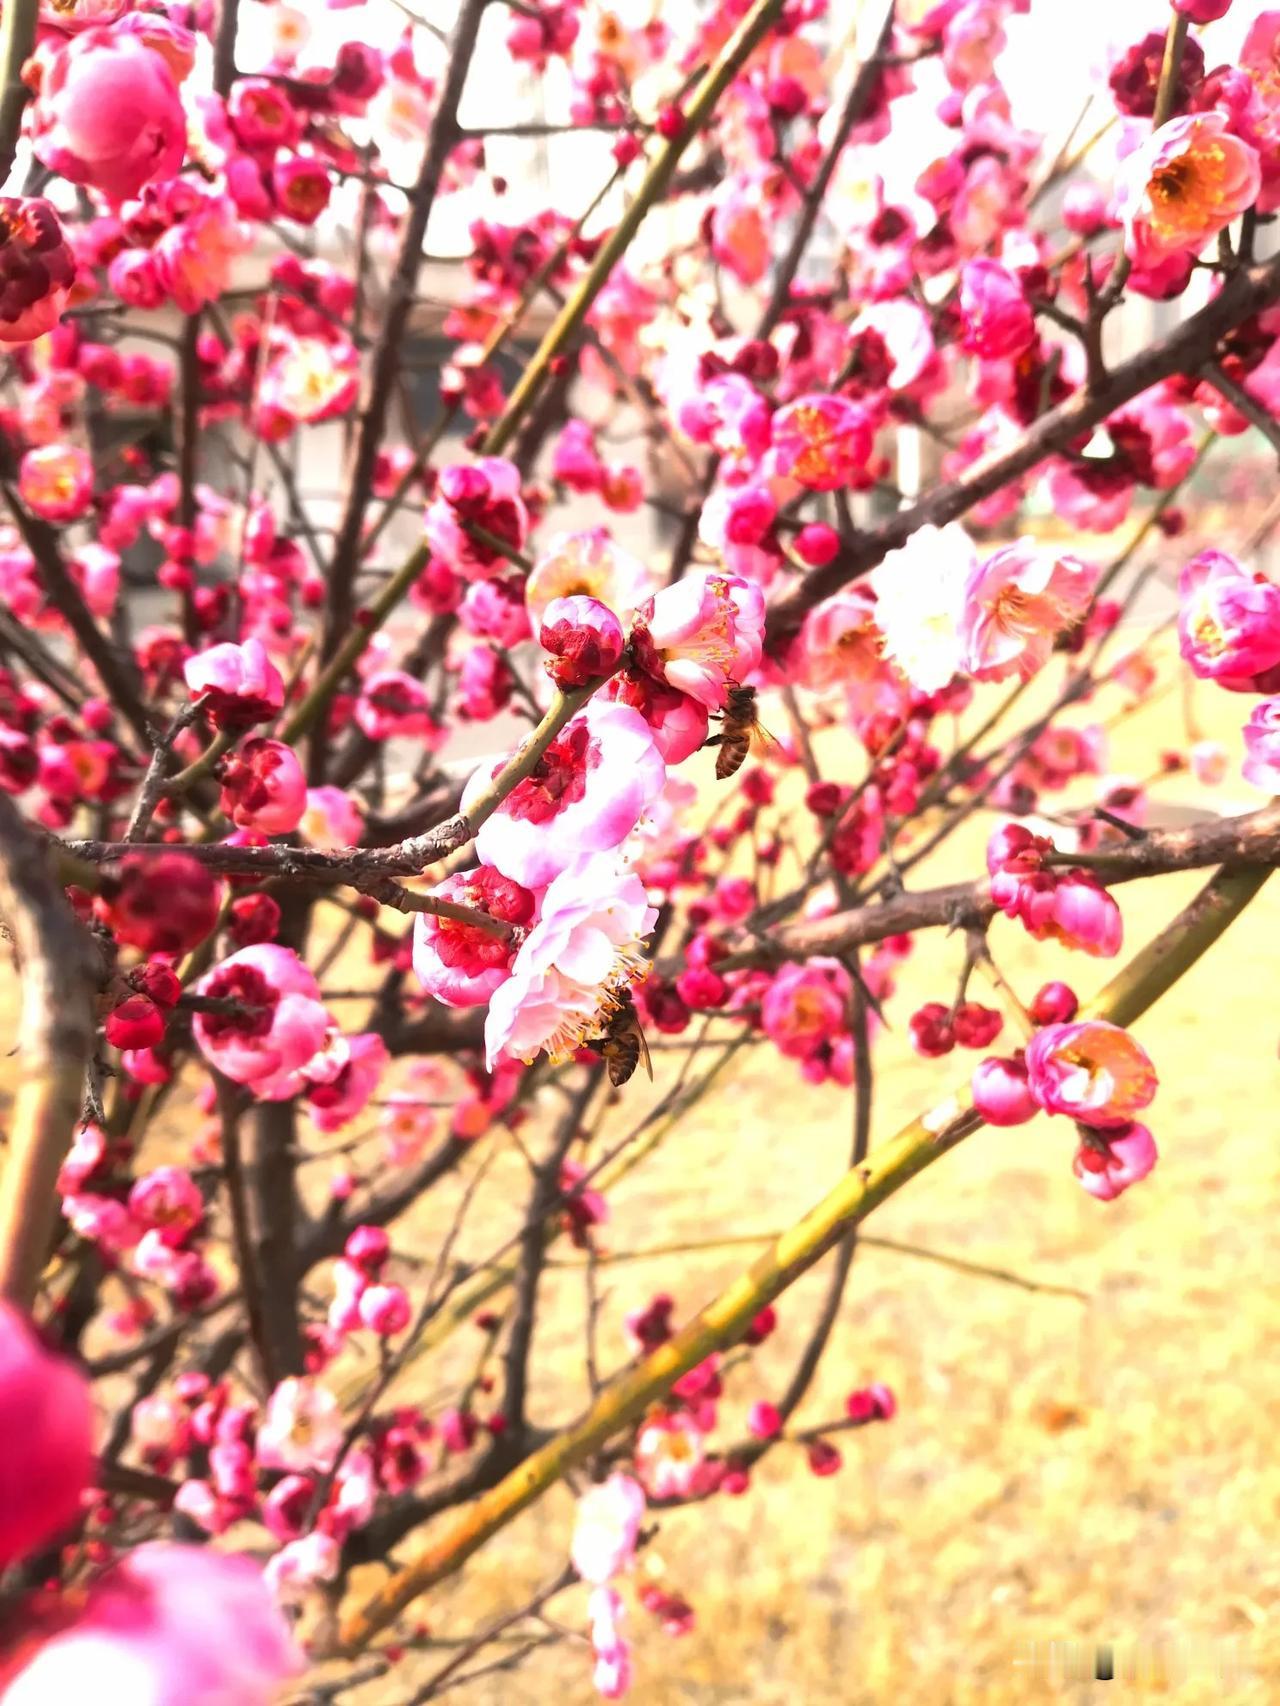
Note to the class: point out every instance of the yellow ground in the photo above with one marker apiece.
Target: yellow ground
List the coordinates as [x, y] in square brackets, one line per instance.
[1058, 1470]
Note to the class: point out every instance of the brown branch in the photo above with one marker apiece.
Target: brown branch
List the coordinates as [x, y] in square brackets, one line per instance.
[1185, 350]
[1251, 841]
[60, 972]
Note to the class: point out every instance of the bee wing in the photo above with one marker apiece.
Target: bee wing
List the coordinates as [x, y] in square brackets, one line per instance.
[762, 742]
[646, 1060]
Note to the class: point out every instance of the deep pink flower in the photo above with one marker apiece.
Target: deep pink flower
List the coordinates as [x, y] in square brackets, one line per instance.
[1090, 1070]
[340, 1077]
[1202, 11]
[136, 1022]
[109, 113]
[805, 1006]
[280, 1027]
[462, 964]
[237, 685]
[1016, 603]
[1183, 185]
[166, 1623]
[1001, 1093]
[46, 1421]
[701, 634]
[392, 703]
[1228, 622]
[606, 1528]
[1262, 746]
[55, 481]
[584, 638]
[823, 442]
[585, 795]
[264, 787]
[485, 493]
[385, 1309]
[163, 903]
[586, 950]
[37, 268]
[995, 315]
[1109, 1165]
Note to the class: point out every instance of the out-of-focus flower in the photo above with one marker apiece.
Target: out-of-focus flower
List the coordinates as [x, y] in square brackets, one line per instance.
[670, 1452]
[166, 1623]
[46, 1420]
[585, 795]
[607, 1525]
[163, 903]
[302, 1428]
[1183, 185]
[109, 113]
[1090, 1070]
[805, 1006]
[583, 955]
[1015, 603]
[1262, 746]
[1107, 1166]
[37, 268]
[612, 1673]
[701, 634]
[587, 565]
[55, 481]
[995, 315]
[920, 604]
[331, 819]
[823, 442]
[392, 704]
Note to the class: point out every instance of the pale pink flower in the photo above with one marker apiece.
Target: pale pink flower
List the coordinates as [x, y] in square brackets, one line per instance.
[236, 685]
[1262, 746]
[307, 379]
[1209, 762]
[1229, 623]
[282, 1023]
[585, 795]
[332, 819]
[612, 1673]
[1016, 603]
[840, 641]
[920, 602]
[1183, 185]
[55, 481]
[46, 1421]
[1114, 1161]
[301, 1565]
[590, 565]
[302, 1428]
[905, 331]
[677, 723]
[167, 1200]
[194, 258]
[669, 1455]
[339, 1080]
[96, 571]
[805, 1006]
[701, 634]
[608, 1522]
[1090, 1070]
[109, 113]
[165, 1624]
[974, 36]
[585, 951]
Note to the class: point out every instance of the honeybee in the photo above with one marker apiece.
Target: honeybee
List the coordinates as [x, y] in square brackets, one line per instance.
[740, 731]
[622, 1044]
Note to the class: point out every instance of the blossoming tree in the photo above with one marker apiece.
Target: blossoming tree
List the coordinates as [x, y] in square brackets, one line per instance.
[511, 780]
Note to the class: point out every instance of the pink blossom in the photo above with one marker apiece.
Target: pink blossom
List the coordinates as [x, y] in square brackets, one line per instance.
[996, 317]
[282, 1023]
[341, 1077]
[1001, 1093]
[55, 481]
[385, 1309]
[486, 493]
[167, 1200]
[301, 1564]
[920, 604]
[585, 951]
[263, 787]
[331, 819]
[805, 1006]
[585, 795]
[1107, 1165]
[612, 1674]
[302, 1428]
[607, 1525]
[1228, 622]
[463, 964]
[193, 260]
[584, 638]
[46, 1420]
[823, 442]
[701, 634]
[1016, 603]
[906, 335]
[1262, 746]
[669, 1455]
[392, 704]
[166, 1623]
[236, 685]
[1090, 1070]
[588, 565]
[1183, 185]
[109, 113]
[677, 723]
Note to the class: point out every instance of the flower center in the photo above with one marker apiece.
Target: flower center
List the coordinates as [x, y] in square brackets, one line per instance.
[559, 778]
[246, 985]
